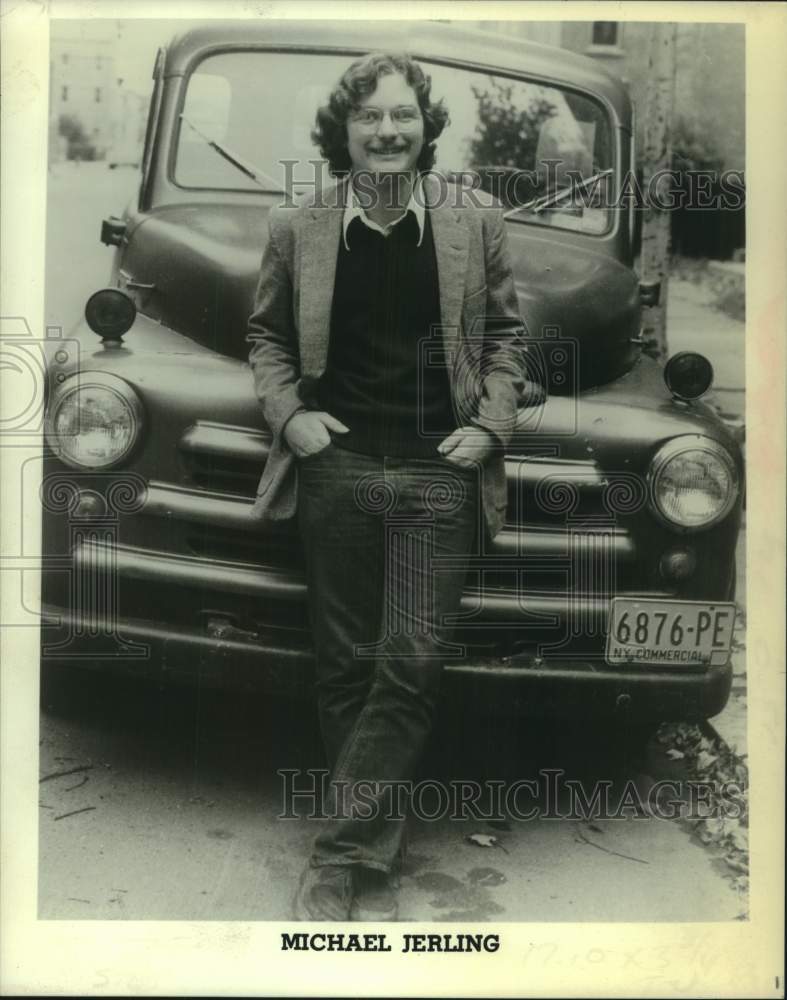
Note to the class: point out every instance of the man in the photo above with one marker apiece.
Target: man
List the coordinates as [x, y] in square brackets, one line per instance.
[386, 352]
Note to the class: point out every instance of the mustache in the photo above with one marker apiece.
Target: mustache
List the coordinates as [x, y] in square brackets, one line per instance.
[388, 147]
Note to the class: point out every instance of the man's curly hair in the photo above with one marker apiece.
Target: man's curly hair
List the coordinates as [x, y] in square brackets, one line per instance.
[357, 82]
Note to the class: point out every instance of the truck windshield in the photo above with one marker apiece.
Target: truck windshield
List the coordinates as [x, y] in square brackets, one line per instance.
[544, 151]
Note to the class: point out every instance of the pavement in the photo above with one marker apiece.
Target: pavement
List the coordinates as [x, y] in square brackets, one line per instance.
[160, 803]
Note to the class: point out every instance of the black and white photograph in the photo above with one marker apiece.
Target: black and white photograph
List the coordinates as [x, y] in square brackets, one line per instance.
[387, 485]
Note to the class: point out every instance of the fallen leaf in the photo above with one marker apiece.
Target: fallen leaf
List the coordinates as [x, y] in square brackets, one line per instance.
[704, 760]
[482, 839]
[714, 825]
[737, 864]
[674, 754]
[486, 876]
[740, 838]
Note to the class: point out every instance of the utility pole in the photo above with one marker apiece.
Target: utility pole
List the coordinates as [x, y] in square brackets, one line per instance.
[657, 157]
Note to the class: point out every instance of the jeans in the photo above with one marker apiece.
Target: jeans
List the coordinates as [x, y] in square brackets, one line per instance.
[386, 542]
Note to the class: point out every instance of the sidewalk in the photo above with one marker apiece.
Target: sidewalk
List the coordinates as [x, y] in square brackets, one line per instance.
[694, 325]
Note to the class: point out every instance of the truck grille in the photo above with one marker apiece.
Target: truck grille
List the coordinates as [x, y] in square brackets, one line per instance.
[558, 561]
[224, 459]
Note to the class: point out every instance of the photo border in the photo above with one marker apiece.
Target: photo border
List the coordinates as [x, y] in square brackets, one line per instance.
[535, 959]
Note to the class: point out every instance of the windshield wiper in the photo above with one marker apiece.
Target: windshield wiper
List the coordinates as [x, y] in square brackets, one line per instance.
[249, 169]
[539, 204]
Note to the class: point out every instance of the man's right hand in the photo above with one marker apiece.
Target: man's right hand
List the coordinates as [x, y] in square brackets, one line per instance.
[307, 433]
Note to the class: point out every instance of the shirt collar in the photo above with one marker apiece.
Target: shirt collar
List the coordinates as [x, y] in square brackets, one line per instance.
[354, 210]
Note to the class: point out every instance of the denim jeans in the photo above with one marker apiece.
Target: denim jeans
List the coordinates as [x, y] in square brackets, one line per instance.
[386, 542]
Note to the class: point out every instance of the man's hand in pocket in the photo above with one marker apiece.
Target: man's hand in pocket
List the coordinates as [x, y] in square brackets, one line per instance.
[307, 432]
[468, 446]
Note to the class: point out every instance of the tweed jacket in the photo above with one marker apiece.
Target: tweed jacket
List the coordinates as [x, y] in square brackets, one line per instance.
[481, 328]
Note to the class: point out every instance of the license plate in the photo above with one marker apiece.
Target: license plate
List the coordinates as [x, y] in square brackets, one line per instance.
[669, 633]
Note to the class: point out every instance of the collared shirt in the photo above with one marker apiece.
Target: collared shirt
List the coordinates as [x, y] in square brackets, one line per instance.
[354, 210]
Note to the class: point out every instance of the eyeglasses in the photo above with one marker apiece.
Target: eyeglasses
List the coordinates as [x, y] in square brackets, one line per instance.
[370, 119]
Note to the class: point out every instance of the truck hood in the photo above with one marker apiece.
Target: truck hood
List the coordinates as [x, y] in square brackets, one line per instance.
[203, 263]
[616, 426]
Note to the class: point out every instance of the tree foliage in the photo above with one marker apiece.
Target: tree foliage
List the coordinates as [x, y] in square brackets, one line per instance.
[73, 131]
[507, 134]
[694, 147]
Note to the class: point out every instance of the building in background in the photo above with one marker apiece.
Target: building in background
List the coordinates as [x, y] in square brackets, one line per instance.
[92, 112]
[128, 129]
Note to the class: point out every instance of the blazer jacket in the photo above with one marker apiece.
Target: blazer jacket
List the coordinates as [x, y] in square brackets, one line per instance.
[481, 328]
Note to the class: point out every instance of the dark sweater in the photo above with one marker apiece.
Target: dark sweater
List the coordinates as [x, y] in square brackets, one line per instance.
[386, 299]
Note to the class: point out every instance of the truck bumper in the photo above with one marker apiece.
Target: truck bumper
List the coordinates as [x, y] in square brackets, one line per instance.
[522, 686]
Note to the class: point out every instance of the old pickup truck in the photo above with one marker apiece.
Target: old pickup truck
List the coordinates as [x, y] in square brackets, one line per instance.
[610, 590]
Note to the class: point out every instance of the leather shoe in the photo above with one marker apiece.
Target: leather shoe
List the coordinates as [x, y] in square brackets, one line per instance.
[374, 896]
[324, 893]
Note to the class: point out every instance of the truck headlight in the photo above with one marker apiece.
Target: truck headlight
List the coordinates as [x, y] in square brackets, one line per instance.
[693, 482]
[94, 420]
